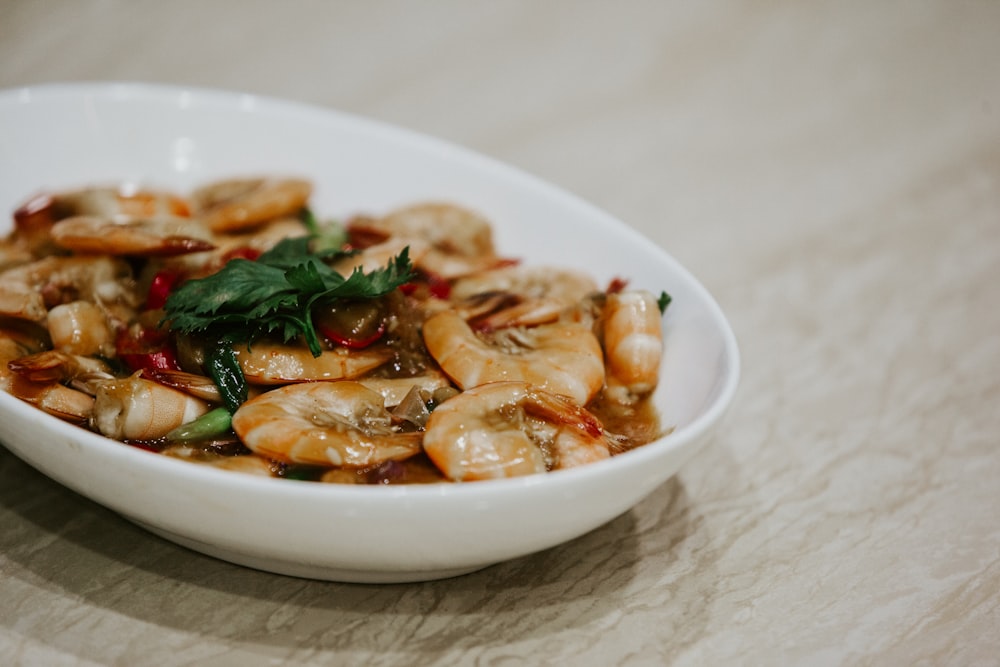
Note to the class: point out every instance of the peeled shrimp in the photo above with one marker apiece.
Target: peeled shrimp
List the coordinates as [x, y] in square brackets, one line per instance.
[244, 203]
[323, 423]
[563, 358]
[461, 241]
[81, 327]
[564, 286]
[199, 386]
[508, 429]
[154, 237]
[515, 296]
[134, 408]
[119, 203]
[633, 344]
[34, 219]
[379, 255]
[54, 366]
[13, 254]
[273, 363]
[106, 281]
[21, 302]
[52, 397]
[394, 390]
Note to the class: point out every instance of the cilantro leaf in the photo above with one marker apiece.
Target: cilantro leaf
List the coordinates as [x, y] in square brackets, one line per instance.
[275, 294]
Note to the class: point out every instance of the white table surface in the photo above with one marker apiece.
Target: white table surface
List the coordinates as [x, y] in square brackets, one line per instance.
[830, 171]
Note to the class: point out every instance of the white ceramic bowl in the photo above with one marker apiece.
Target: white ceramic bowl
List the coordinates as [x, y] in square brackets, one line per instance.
[64, 136]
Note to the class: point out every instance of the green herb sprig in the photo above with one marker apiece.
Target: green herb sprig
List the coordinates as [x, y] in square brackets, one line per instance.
[273, 295]
[663, 301]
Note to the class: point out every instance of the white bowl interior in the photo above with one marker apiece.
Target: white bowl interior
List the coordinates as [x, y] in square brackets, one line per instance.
[66, 136]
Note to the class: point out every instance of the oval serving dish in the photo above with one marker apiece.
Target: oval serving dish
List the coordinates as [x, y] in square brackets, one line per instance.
[56, 137]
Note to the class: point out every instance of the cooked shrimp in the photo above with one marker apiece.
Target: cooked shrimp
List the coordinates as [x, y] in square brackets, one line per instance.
[153, 237]
[53, 366]
[198, 386]
[490, 311]
[249, 463]
[134, 408]
[461, 241]
[244, 203]
[563, 358]
[394, 390]
[81, 327]
[514, 296]
[323, 423]
[565, 286]
[508, 429]
[119, 203]
[58, 400]
[379, 255]
[633, 344]
[21, 302]
[273, 363]
[13, 254]
[52, 397]
[34, 219]
[106, 281]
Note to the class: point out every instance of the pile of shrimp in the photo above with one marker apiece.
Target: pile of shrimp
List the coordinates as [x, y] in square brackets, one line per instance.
[483, 368]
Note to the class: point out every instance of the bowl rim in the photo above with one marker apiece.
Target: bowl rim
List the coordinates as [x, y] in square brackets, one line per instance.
[126, 91]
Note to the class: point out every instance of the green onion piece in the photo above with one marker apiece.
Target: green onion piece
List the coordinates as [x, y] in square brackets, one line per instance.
[212, 423]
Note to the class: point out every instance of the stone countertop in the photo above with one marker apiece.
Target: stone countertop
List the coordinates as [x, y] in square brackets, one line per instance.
[830, 171]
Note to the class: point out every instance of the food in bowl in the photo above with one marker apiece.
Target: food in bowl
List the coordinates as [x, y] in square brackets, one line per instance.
[229, 327]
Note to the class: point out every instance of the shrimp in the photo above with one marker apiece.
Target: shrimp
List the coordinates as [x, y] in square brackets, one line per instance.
[340, 424]
[21, 302]
[461, 241]
[563, 358]
[119, 203]
[564, 286]
[633, 344]
[394, 390]
[135, 408]
[199, 386]
[509, 429]
[379, 255]
[13, 254]
[244, 203]
[81, 327]
[54, 398]
[154, 237]
[514, 296]
[105, 281]
[274, 363]
[81, 372]
[34, 219]
[250, 464]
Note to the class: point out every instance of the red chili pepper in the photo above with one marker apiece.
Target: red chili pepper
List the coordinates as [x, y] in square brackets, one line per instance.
[146, 349]
[437, 286]
[164, 360]
[161, 287]
[352, 343]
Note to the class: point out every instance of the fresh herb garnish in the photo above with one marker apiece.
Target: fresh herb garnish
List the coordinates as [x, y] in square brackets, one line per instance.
[663, 302]
[274, 295]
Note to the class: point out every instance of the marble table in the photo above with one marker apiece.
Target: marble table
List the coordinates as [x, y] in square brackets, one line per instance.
[831, 171]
